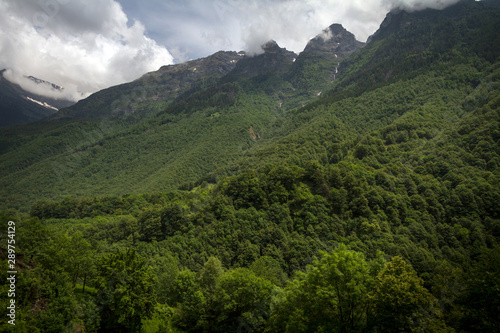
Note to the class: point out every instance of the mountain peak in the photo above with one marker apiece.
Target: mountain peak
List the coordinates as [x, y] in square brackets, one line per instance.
[275, 59]
[271, 47]
[337, 28]
[334, 39]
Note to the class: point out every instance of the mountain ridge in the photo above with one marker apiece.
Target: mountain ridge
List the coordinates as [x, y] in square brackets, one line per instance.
[176, 79]
[222, 111]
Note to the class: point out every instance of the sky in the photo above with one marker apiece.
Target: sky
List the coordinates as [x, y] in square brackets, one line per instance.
[88, 45]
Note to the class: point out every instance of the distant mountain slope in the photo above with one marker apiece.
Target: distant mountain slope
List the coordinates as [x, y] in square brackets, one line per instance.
[18, 106]
[167, 128]
[217, 116]
[423, 70]
[154, 91]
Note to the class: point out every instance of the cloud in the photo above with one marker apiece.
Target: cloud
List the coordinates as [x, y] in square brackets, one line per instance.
[83, 46]
[87, 45]
[415, 5]
[196, 28]
[292, 23]
[69, 93]
[190, 29]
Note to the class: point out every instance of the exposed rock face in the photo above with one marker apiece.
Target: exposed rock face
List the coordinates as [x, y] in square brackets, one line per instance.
[275, 59]
[334, 40]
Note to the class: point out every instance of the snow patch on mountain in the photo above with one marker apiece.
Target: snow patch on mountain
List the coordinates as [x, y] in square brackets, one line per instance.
[45, 105]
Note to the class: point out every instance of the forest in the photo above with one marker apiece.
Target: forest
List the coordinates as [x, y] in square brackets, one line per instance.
[371, 208]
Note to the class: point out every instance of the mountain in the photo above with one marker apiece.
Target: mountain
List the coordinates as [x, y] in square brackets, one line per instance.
[273, 61]
[317, 67]
[165, 129]
[334, 39]
[354, 188]
[52, 102]
[19, 106]
[154, 91]
[185, 121]
[46, 83]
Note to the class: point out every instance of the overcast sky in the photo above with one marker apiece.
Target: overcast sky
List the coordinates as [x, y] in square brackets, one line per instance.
[88, 45]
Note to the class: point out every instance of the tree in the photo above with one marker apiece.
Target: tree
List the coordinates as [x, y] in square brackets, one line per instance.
[402, 303]
[126, 291]
[482, 297]
[241, 302]
[80, 257]
[210, 275]
[150, 224]
[173, 218]
[270, 269]
[331, 296]
[187, 296]
[448, 285]
[166, 269]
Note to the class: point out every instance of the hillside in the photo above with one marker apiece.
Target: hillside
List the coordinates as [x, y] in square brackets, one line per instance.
[163, 130]
[350, 188]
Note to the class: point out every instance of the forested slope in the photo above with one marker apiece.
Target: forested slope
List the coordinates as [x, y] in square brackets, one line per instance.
[167, 129]
[373, 208]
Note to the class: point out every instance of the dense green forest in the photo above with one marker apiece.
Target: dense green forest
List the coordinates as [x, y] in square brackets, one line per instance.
[371, 208]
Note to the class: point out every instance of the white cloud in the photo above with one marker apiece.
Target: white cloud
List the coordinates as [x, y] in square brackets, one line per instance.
[70, 92]
[83, 46]
[412, 5]
[293, 22]
[197, 28]
[87, 45]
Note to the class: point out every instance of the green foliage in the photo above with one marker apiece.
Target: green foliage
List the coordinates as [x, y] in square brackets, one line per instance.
[160, 322]
[401, 302]
[482, 295]
[187, 296]
[270, 269]
[126, 293]
[400, 156]
[332, 296]
[210, 275]
[167, 269]
[241, 302]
